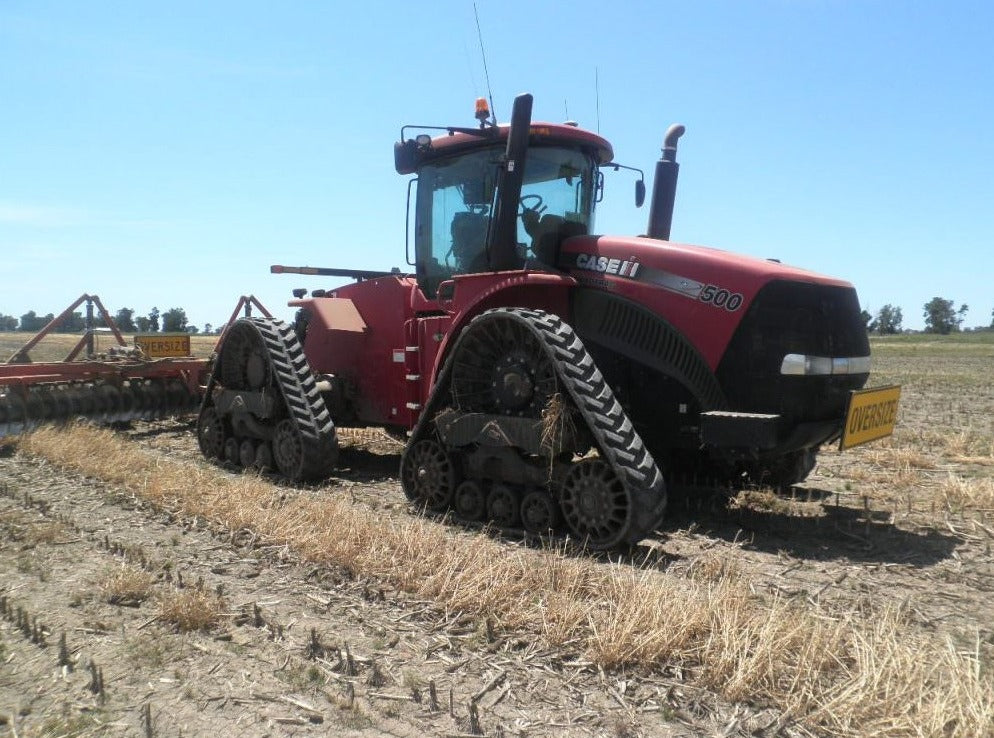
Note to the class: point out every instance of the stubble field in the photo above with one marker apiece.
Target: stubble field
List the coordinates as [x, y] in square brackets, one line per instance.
[194, 600]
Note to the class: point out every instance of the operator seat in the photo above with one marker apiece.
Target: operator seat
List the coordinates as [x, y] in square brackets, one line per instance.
[548, 235]
[469, 239]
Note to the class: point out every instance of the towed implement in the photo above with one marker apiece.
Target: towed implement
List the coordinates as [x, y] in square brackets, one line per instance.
[548, 378]
[119, 385]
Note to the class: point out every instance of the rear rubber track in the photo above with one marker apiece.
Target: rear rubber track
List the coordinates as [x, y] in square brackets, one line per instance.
[617, 441]
[291, 373]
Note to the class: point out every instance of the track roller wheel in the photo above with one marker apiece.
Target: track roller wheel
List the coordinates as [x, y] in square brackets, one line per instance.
[470, 501]
[596, 504]
[231, 450]
[429, 476]
[264, 456]
[504, 506]
[246, 453]
[540, 513]
[210, 434]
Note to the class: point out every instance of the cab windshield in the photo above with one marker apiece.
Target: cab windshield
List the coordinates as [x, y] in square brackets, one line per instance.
[456, 198]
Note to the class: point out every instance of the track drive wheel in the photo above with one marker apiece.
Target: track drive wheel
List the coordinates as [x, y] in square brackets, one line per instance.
[595, 503]
[210, 434]
[429, 476]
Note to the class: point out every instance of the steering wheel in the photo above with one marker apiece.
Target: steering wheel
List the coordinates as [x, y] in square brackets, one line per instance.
[538, 208]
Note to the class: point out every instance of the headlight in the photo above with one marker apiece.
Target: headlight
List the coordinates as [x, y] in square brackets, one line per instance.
[803, 365]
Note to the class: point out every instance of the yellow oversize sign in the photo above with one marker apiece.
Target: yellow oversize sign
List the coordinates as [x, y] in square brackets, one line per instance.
[162, 345]
[871, 415]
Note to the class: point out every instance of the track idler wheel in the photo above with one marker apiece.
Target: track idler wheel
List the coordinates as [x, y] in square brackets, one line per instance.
[211, 434]
[504, 506]
[429, 476]
[288, 451]
[540, 513]
[595, 504]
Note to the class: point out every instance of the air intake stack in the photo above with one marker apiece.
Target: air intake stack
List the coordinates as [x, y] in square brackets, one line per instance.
[664, 186]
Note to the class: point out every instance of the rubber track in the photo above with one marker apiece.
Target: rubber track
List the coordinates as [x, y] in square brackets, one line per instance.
[616, 438]
[304, 403]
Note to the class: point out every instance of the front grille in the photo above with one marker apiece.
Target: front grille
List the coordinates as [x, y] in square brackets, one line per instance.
[794, 318]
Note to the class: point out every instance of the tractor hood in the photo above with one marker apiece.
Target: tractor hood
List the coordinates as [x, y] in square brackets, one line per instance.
[704, 293]
[680, 267]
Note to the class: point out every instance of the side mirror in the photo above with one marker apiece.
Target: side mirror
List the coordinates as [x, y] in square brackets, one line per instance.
[639, 192]
[405, 156]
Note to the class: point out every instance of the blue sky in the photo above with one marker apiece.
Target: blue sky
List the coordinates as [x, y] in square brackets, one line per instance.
[165, 154]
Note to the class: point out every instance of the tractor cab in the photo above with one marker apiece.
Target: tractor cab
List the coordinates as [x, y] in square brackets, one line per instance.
[477, 209]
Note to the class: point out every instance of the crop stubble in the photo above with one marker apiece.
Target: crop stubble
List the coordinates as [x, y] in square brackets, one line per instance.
[858, 606]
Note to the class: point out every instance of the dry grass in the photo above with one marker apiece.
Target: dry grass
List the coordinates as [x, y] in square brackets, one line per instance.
[126, 585]
[960, 494]
[191, 608]
[840, 675]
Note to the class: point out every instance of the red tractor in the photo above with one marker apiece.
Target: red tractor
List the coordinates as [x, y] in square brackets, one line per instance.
[547, 378]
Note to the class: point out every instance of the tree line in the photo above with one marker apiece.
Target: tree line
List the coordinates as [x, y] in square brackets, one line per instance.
[173, 320]
[941, 316]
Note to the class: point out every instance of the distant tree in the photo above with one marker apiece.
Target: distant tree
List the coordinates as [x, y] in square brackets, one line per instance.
[940, 317]
[868, 321]
[125, 319]
[992, 318]
[192, 329]
[142, 324]
[174, 320]
[889, 320]
[153, 320]
[33, 322]
[207, 328]
[8, 322]
[73, 323]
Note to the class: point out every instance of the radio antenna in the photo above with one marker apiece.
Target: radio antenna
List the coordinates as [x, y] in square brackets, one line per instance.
[597, 98]
[486, 74]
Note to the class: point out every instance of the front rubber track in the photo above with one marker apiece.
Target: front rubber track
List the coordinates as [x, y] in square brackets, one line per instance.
[292, 375]
[616, 438]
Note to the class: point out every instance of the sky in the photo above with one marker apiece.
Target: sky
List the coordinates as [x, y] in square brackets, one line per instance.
[166, 154]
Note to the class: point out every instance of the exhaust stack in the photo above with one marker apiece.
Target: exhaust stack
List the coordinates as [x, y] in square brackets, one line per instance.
[664, 186]
[502, 239]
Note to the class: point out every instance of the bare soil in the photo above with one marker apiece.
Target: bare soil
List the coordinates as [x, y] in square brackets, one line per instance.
[302, 650]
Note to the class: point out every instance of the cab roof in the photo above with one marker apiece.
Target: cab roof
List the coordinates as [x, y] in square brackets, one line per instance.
[457, 141]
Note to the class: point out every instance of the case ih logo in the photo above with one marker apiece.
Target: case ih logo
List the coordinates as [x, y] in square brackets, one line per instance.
[604, 265]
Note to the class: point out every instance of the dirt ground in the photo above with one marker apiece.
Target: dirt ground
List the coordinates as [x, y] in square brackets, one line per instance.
[300, 650]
